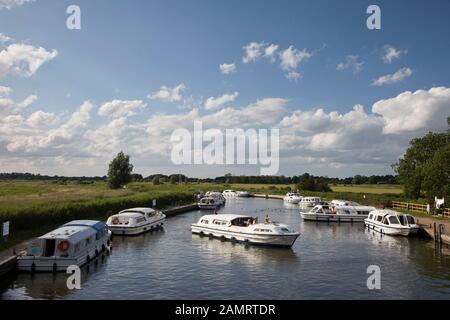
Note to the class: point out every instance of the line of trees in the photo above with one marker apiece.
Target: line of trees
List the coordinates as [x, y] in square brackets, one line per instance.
[424, 169]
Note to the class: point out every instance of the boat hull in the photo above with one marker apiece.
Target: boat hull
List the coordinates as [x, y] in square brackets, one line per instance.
[333, 217]
[255, 239]
[58, 264]
[389, 230]
[208, 206]
[292, 200]
[136, 230]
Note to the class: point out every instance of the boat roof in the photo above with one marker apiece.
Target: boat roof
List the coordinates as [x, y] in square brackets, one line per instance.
[310, 198]
[94, 224]
[75, 231]
[136, 210]
[388, 211]
[224, 216]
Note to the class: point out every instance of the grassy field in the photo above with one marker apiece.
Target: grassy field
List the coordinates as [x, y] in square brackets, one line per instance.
[34, 207]
[369, 188]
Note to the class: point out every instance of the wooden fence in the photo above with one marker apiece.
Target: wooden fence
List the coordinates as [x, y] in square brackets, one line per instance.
[415, 207]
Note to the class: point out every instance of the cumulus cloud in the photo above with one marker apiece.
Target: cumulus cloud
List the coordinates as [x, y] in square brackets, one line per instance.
[4, 91]
[351, 62]
[10, 4]
[227, 68]
[390, 54]
[214, 103]
[291, 58]
[398, 76]
[41, 118]
[24, 60]
[4, 38]
[293, 75]
[413, 111]
[270, 52]
[253, 52]
[167, 94]
[121, 108]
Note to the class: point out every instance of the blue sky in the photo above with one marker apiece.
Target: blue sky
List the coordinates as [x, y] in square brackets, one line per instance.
[128, 50]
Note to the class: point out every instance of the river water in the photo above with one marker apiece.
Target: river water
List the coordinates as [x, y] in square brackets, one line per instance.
[328, 261]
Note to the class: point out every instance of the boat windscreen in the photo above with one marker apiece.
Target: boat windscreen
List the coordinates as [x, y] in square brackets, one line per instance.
[242, 222]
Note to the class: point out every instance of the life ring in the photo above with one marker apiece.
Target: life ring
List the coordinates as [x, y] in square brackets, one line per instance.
[63, 245]
[115, 220]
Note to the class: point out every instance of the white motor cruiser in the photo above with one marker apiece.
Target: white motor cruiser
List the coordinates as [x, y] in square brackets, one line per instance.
[343, 203]
[392, 222]
[243, 194]
[292, 197]
[74, 243]
[218, 196]
[229, 193]
[309, 202]
[329, 213]
[135, 221]
[245, 229]
[208, 203]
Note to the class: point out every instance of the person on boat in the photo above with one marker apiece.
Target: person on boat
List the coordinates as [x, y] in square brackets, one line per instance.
[267, 218]
[333, 210]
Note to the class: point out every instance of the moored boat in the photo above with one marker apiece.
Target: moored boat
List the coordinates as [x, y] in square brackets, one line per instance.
[208, 203]
[241, 228]
[135, 221]
[329, 213]
[74, 243]
[218, 196]
[391, 222]
[292, 197]
[309, 202]
[229, 193]
[243, 194]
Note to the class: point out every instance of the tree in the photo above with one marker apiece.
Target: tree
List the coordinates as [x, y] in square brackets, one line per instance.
[155, 180]
[436, 172]
[119, 172]
[410, 167]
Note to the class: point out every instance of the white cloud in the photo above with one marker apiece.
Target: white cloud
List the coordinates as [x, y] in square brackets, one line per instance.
[23, 60]
[398, 76]
[4, 38]
[253, 52]
[390, 54]
[28, 101]
[168, 94]
[121, 108]
[227, 68]
[293, 75]
[4, 91]
[213, 103]
[270, 52]
[351, 62]
[41, 118]
[413, 111]
[291, 58]
[10, 4]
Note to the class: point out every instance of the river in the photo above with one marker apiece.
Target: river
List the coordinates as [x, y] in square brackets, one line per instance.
[328, 261]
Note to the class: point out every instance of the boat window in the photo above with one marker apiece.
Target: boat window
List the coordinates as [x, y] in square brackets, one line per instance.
[87, 241]
[402, 220]
[379, 218]
[140, 220]
[285, 229]
[393, 220]
[49, 250]
[386, 221]
[77, 247]
[320, 211]
[205, 221]
[411, 220]
[371, 216]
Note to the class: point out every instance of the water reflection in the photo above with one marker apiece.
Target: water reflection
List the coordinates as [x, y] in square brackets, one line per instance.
[48, 285]
[229, 251]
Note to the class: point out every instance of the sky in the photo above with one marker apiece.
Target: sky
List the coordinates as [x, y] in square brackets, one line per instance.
[347, 100]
